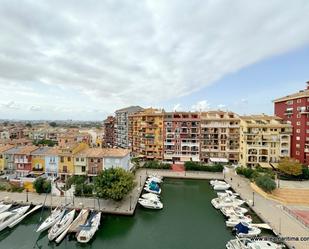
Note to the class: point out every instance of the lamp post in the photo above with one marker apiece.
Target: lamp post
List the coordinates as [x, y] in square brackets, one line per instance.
[140, 180]
[252, 199]
[27, 191]
[130, 202]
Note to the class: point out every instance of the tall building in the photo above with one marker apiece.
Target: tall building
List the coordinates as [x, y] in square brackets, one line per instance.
[181, 136]
[294, 108]
[219, 139]
[264, 140]
[122, 125]
[109, 131]
[147, 134]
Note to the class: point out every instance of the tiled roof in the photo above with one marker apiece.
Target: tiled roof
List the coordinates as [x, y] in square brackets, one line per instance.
[41, 151]
[5, 148]
[26, 149]
[103, 152]
[300, 94]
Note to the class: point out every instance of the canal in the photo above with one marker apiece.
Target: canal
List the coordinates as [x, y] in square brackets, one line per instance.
[187, 220]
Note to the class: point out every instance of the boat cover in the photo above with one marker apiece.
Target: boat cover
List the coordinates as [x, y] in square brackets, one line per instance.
[241, 228]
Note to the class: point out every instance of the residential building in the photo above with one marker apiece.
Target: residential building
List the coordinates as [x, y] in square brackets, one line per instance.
[23, 159]
[3, 163]
[219, 136]
[51, 162]
[181, 136]
[264, 140]
[147, 130]
[114, 158]
[38, 159]
[109, 132]
[122, 125]
[294, 109]
[74, 136]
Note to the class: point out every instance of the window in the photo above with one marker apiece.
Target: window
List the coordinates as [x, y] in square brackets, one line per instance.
[69, 159]
[91, 160]
[62, 159]
[82, 159]
[65, 169]
[298, 100]
[289, 102]
[297, 130]
[83, 168]
[307, 131]
[298, 115]
[297, 145]
[99, 160]
[297, 153]
[297, 138]
[298, 123]
[77, 159]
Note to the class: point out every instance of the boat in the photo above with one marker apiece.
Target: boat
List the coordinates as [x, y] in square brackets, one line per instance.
[152, 190]
[156, 176]
[89, 229]
[55, 216]
[151, 196]
[150, 204]
[153, 187]
[155, 179]
[61, 225]
[14, 223]
[226, 202]
[227, 193]
[16, 214]
[233, 211]
[220, 187]
[245, 230]
[74, 226]
[4, 207]
[216, 182]
[234, 220]
[245, 243]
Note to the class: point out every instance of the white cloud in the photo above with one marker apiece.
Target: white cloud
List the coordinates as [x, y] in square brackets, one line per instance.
[177, 107]
[221, 106]
[34, 108]
[202, 105]
[11, 105]
[117, 53]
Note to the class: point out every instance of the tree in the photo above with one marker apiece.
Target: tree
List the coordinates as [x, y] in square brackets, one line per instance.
[53, 124]
[114, 183]
[29, 125]
[290, 166]
[42, 185]
[266, 183]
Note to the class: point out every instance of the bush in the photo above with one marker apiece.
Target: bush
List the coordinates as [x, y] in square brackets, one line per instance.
[156, 165]
[76, 180]
[84, 190]
[42, 185]
[305, 173]
[195, 166]
[266, 183]
[246, 172]
[290, 166]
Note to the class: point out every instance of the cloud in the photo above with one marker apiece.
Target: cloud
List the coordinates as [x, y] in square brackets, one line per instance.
[11, 105]
[117, 53]
[35, 108]
[177, 107]
[202, 105]
[221, 106]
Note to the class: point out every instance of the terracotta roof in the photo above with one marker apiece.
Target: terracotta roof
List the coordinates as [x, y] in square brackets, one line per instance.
[5, 148]
[300, 94]
[41, 151]
[103, 152]
[27, 149]
[52, 151]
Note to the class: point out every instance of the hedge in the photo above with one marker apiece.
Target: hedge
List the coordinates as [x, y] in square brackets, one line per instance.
[195, 166]
[266, 183]
[156, 165]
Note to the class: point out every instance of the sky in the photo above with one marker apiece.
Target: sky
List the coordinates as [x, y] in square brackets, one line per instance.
[82, 60]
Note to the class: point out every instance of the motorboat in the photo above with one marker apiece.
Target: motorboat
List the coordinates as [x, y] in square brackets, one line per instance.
[153, 187]
[221, 187]
[89, 229]
[61, 225]
[16, 214]
[151, 204]
[55, 216]
[234, 220]
[15, 222]
[155, 179]
[156, 176]
[216, 182]
[227, 193]
[151, 196]
[245, 243]
[245, 230]
[4, 207]
[234, 211]
[226, 202]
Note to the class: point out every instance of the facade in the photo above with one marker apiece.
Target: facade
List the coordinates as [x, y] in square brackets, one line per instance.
[38, 159]
[264, 140]
[110, 132]
[122, 125]
[23, 159]
[181, 136]
[114, 158]
[51, 162]
[147, 134]
[219, 136]
[294, 109]
[3, 163]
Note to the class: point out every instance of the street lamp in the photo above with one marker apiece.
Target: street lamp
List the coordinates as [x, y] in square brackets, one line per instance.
[27, 191]
[252, 199]
[140, 180]
[130, 202]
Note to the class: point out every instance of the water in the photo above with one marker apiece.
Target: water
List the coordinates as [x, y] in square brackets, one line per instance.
[187, 220]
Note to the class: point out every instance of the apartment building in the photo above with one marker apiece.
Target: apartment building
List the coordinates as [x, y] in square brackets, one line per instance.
[147, 133]
[219, 137]
[23, 159]
[109, 131]
[294, 109]
[122, 125]
[52, 162]
[264, 140]
[181, 136]
[3, 163]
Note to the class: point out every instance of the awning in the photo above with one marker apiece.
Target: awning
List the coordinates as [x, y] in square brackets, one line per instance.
[218, 160]
[265, 165]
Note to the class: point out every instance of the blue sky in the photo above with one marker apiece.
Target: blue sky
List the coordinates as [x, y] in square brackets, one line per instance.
[83, 60]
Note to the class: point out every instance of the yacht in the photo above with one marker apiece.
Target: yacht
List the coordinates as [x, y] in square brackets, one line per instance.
[151, 196]
[233, 211]
[151, 204]
[251, 244]
[155, 179]
[55, 216]
[220, 187]
[89, 229]
[4, 207]
[245, 230]
[61, 225]
[153, 187]
[216, 182]
[227, 193]
[226, 202]
[16, 214]
[234, 220]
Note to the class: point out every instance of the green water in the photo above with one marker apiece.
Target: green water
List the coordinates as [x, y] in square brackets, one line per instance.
[187, 221]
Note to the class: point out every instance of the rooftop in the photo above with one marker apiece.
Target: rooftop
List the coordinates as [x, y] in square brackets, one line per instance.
[300, 94]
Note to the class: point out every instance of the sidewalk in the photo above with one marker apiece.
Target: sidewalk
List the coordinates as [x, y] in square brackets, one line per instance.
[283, 224]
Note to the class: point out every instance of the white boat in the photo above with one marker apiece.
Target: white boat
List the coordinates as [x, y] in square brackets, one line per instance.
[221, 187]
[87, 231]
[151, 196]
[4, 207]
[16, 214]
[234, 220]
[14, 223]
[234, 211]
[226, 202]
[251, 244]
[154, 179]
[245, 230]
[227, 193]
[151, 204]
[55, 216]
[152, 191]
[216, 182]
[61, 225]
[156, 176]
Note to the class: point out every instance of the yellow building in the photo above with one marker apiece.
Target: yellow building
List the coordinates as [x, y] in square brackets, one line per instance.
[66, 158]
[147, 133]
[38, 159]
[2, 157]
[264, 140]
